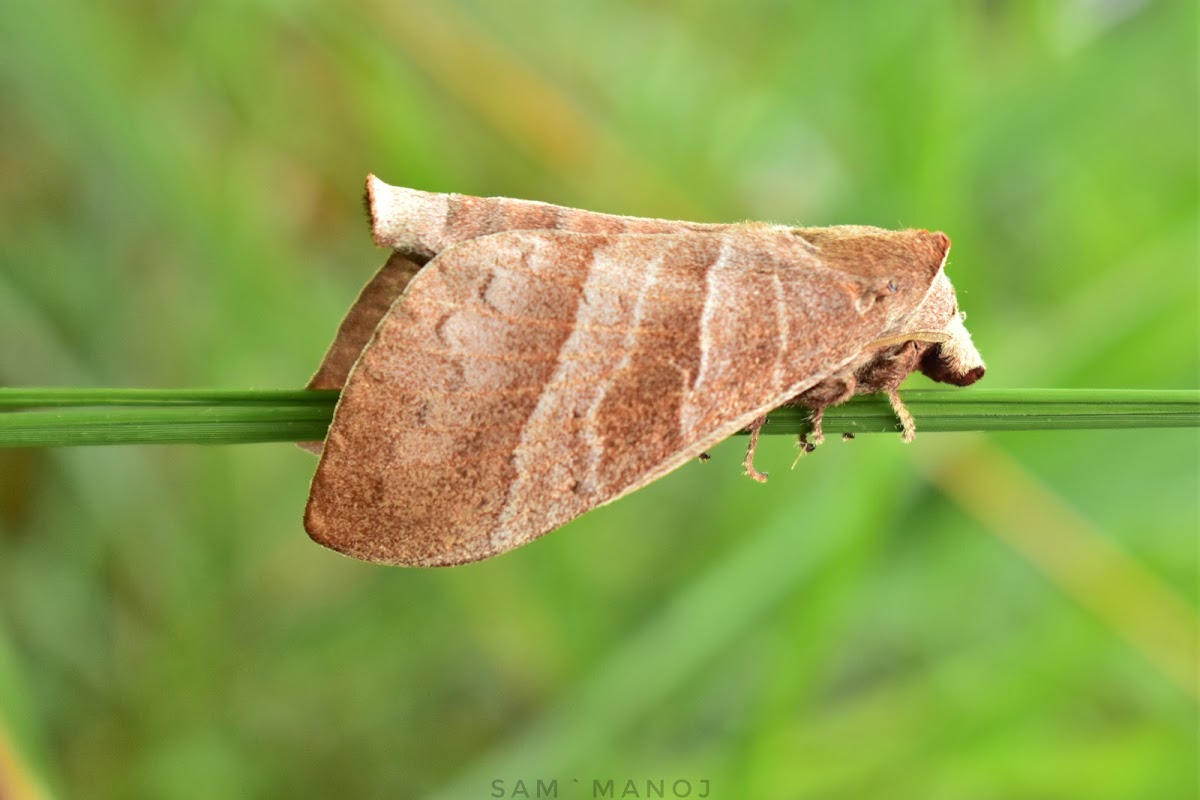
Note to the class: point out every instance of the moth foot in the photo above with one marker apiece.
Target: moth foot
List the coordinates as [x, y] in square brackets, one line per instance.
[704, 457]
[847, 437]
[907, 424]
[803, 447]
[818, 433]
[755, 428]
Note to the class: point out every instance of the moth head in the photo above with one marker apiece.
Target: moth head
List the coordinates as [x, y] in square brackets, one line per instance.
[906, 270]
[952, 357]
[956, 360]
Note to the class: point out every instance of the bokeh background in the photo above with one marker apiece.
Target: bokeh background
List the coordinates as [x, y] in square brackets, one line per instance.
[970, 616]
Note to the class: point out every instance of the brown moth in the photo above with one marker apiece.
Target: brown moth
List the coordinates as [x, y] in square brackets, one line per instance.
[516, 364]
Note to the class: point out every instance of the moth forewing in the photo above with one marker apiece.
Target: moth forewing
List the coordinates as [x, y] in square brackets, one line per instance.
[548, 360]
[526, 377]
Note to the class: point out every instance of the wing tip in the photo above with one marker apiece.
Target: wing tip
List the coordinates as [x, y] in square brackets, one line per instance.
[393, 548]
[372, 191]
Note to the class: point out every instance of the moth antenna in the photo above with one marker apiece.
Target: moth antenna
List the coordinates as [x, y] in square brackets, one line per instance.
[755, 428]
[907, 423]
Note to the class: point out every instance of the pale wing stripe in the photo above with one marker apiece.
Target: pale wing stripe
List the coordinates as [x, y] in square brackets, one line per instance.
[781, 320]
[581, 339]
[595, 445]
[691, 411]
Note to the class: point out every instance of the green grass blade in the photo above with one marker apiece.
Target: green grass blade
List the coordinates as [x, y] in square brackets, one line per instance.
[181, 416]
[188, 425]
[68, 397]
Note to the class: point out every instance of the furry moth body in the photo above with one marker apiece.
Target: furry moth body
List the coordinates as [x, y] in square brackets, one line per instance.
[516, 364]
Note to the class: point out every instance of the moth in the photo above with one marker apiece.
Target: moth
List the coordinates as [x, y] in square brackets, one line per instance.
[515, 364]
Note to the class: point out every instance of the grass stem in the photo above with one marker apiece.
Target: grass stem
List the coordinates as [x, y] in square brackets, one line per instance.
[68, 417]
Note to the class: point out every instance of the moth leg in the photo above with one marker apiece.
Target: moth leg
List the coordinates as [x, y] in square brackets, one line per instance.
[886, 371]
[803, 446]
[907, 423]
[829, 392]
[754, 428]
[818, 433]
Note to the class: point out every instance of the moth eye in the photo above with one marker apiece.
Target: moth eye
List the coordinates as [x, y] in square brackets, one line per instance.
[893, 286]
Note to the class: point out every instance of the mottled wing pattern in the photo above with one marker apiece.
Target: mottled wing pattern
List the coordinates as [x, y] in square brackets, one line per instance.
[528, 376]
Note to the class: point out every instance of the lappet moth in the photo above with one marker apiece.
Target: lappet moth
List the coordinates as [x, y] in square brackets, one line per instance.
[516, 364]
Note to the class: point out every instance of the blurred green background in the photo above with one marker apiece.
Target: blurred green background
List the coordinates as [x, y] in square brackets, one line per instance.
[986, 617]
